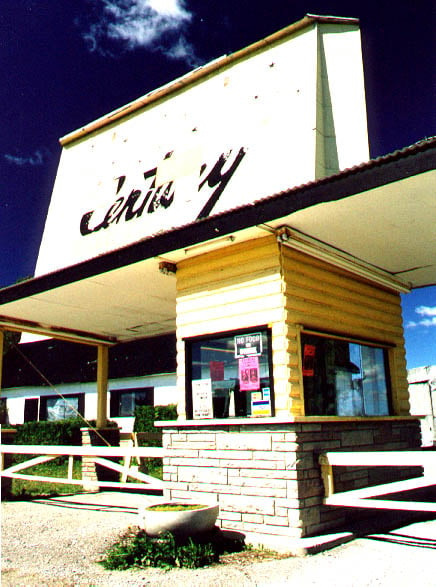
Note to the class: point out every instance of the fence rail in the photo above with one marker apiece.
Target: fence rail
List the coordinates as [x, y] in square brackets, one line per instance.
[367, 497]
[98, 454]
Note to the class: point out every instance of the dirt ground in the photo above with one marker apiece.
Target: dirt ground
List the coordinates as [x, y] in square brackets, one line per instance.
[57, 543]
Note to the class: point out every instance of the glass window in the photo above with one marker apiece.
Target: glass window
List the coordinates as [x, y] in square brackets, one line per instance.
[58, 408]
[230, 375]
[124, 401]
[343, 378]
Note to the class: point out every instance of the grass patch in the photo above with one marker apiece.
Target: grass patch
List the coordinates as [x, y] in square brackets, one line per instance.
[137, 550]
[152, 466]
[23, 488]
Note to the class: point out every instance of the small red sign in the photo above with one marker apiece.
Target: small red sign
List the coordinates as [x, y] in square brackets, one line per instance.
[309, 360]
[216, 370]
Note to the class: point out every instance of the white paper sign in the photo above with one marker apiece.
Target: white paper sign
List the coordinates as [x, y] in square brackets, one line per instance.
[202, 406]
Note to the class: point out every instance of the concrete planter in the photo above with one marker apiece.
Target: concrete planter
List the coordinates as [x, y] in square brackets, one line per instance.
[178, 521]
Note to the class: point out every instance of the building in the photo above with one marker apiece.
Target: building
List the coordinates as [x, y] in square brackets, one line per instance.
[422, 392]
[53, 379]
[236, 207]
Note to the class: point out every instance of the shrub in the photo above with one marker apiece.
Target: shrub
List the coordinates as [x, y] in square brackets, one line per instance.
[166, 412]
[66, 432]
[148, 435]
[136, 549]
[145, 416]
[56, 432]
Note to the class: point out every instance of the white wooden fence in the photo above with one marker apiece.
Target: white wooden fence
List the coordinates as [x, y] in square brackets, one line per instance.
[98, 454]
[365, 497]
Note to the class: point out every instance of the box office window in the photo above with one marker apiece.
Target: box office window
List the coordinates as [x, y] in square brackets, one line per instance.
[343, 377]
[61, 408]
[230, 375]
[124, 401]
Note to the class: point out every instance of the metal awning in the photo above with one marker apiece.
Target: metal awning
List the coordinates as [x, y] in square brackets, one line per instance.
[380, 214]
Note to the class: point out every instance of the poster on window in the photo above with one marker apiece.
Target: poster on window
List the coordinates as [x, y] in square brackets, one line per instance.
[202, 406]
[249, 376]
[216, 369]
[248, 345]
[261, 402]
[309, 360]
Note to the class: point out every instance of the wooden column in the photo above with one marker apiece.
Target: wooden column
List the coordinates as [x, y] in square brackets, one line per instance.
[102, 384]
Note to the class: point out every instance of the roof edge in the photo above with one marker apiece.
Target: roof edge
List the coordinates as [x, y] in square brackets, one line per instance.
[202, 71]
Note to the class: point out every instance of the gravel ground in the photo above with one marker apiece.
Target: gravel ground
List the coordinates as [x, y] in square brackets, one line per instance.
[57, 543]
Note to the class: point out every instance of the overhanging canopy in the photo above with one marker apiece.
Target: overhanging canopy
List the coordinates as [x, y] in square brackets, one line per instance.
[380, 214]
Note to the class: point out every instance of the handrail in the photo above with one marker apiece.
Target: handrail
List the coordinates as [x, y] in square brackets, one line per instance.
[386, 458]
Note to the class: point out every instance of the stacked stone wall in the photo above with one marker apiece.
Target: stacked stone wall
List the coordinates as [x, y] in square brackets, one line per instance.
[266, 477]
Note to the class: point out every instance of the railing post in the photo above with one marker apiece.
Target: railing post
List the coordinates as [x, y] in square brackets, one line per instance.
[327, 475]
[70, 466]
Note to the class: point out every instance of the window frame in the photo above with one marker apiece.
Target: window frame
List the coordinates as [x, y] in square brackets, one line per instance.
[115, 398]
[373, 343]
[188, 343]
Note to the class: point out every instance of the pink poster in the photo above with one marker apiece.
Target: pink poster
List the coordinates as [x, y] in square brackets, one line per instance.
[249, 377]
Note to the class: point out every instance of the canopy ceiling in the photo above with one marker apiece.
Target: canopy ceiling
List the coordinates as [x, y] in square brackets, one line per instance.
[380, 214]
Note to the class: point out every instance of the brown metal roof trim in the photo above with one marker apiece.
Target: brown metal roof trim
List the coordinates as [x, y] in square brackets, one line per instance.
[407, 162]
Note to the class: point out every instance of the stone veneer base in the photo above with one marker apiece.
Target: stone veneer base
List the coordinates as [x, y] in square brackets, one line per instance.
[264, 474]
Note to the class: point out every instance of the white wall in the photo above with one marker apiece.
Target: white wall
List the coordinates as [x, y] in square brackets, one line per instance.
[164, 393]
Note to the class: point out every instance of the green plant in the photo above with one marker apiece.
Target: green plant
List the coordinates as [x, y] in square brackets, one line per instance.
[145, 416]
[27, 489]
[65, 432]
[148, 435]
[54, 432]
[136, 549]
[166, 412]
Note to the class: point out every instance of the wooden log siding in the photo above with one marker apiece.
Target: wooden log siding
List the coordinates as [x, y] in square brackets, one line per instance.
[262, 282]
[327, 299]
[238, 287]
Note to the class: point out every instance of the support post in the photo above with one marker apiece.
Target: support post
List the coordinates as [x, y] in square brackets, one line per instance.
[102, 385]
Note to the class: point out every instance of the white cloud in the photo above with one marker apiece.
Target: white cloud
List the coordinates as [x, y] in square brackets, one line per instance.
[426, 310]
[157, 25]
[36, 159]
[429, 314]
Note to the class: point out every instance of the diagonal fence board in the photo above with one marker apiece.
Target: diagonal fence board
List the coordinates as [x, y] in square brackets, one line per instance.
[98, 453]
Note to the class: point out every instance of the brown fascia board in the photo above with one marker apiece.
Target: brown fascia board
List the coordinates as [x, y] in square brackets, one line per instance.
[396, 166]
[199, 73]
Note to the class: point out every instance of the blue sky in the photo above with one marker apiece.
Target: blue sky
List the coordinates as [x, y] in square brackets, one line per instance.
[65, 63]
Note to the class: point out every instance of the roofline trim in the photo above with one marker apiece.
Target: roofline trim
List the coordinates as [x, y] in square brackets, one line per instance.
[60, 333]
[202, 71]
